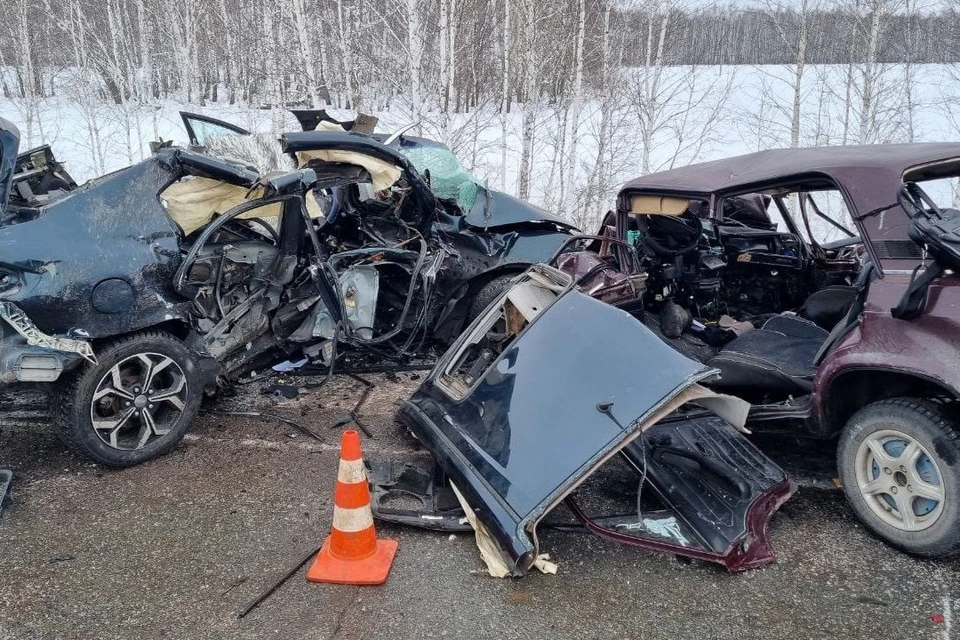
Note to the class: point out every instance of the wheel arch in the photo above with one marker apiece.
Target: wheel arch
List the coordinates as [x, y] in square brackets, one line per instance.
[177, 327]
[451, 323]
[180, 329]
[852, 389]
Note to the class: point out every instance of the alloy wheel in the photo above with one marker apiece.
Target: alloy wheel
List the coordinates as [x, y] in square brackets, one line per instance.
[139, 399]
[899, 480]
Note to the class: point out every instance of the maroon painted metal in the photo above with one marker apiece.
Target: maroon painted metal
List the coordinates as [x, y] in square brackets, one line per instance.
[869, 177]
[921, 347]
[755, 551]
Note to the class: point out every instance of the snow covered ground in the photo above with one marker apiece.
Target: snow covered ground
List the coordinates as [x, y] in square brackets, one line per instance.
[696, 114]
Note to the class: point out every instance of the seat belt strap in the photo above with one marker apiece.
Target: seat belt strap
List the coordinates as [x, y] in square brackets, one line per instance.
[914, 299]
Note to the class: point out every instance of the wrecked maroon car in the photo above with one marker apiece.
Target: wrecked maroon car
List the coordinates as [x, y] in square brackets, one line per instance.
[139, 291]
[787, 271]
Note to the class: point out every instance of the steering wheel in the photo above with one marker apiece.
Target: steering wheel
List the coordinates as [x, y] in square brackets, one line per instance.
[674, 236]
[912, 198]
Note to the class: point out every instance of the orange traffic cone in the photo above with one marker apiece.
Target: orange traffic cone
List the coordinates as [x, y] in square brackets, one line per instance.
[352, 554]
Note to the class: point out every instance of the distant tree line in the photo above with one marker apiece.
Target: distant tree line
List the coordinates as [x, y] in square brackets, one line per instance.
[713, 36]
[569, 95]
[456, 54]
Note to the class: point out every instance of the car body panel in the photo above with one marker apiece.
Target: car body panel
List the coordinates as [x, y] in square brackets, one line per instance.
[509, 450]
[201, 128]
[556, 405]
[62, 257]
[501, 210]
[99, 262]
[720, 492]
[880, 342]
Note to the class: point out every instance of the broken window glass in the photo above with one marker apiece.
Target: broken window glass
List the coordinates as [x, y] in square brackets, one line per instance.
[448, 179]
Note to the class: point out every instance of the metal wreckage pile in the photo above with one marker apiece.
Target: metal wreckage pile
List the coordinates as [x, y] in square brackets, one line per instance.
[138, 292]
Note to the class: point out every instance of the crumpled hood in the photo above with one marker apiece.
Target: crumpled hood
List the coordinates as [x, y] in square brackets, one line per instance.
[497, 209]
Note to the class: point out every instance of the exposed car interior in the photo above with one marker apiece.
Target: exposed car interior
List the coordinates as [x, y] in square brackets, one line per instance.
[494, 335]
[38, 179]
[254, 264]
[760, 287]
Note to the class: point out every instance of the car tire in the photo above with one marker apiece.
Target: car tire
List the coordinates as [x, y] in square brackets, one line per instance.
[898, 462]
[107, 412]
[488, 293]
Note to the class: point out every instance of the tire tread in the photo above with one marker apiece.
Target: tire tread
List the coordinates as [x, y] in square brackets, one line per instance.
[937, 418]
[64, 402]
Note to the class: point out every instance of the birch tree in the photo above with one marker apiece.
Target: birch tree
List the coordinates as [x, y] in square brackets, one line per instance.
[531, 12]
[506, 36]
[308, 65]
[793, 29]
[29, 85]
[567, 203]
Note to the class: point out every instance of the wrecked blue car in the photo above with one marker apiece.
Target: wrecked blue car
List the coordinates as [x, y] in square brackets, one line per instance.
[137, 292]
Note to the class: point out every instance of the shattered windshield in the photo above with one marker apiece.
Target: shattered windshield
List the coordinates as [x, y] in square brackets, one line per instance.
[448, 179]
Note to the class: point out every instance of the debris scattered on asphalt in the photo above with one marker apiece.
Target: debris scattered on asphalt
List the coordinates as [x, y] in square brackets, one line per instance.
[355, 415]
[287, 366]
[263, 595]
[263, 414]
[6, 477]
[236, 583]
[287, 391]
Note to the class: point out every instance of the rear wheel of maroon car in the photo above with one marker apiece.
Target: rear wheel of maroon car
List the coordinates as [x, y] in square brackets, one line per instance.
[898, 463]
[135, 404]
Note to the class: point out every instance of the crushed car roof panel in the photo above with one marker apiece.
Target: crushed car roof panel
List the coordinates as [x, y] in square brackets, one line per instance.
[561, 399]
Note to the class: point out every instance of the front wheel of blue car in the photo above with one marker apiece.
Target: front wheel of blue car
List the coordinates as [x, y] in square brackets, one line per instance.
[898, 461]
[135, 404]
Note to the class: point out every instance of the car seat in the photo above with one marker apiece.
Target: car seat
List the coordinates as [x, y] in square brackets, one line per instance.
[782, 355]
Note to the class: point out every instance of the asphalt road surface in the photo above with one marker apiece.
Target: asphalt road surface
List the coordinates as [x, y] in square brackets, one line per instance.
[175, 547]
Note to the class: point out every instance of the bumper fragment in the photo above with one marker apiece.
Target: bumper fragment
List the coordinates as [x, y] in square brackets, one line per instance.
[30, 355]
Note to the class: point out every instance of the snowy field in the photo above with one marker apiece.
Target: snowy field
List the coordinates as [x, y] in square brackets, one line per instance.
[691, 114]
